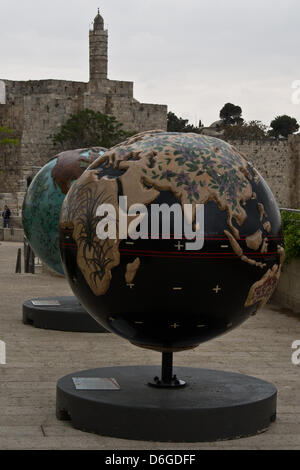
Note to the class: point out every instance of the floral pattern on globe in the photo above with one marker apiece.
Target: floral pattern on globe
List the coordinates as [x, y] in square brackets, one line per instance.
[195, 168]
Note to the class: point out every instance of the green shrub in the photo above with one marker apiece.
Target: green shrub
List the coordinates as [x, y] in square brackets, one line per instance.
[291, 232]
[90, 128]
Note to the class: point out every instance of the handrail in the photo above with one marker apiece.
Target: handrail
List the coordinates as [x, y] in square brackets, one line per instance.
[296, 211]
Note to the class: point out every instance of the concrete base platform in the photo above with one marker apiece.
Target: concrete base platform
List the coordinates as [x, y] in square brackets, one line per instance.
[37, 358]
[59, 313]
[213, 406]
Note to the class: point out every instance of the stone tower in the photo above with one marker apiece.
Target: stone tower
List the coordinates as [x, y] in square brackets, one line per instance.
[36, 109]
[98, 50]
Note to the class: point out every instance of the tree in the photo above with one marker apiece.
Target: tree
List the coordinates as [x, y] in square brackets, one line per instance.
[231, 114]
[252, 130]
[177, 124]
[90, 128]
[283, 126]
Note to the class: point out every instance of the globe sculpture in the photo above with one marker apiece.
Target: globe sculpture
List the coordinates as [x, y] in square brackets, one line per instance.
[152, 290]
[44, 198]
[170, 240]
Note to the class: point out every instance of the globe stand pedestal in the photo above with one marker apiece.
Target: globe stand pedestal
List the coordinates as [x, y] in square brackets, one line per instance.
[59, 313]
[214, 405]
[168, 380]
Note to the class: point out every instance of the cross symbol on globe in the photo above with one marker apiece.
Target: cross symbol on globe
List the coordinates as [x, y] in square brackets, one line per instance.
[117, 270]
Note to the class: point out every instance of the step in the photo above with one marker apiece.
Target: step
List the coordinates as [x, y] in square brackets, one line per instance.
[11, 234]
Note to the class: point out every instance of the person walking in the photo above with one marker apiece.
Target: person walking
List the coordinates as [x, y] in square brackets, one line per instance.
[6, 215]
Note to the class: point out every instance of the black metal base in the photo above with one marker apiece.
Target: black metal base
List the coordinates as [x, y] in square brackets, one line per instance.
[214, 405]
[168, 380]
[173, 383]
[69, 315]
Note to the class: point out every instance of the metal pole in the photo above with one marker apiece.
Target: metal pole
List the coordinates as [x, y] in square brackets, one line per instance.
[31, 261]
[168, 380]
[167, 367]
[25, 255]
[18, 264]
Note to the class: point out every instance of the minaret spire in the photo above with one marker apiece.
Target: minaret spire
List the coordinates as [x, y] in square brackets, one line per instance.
[98, 49]
[98, 22]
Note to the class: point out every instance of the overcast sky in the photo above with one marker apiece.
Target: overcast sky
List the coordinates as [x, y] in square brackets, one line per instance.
[193, 55]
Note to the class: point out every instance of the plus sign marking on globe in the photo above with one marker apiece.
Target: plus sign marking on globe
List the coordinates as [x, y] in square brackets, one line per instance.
[162, 291]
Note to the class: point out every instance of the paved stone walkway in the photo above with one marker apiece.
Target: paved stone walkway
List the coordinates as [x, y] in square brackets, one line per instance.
[36, 359]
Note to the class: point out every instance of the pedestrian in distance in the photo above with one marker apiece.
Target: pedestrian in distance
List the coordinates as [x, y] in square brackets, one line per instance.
[6, 216]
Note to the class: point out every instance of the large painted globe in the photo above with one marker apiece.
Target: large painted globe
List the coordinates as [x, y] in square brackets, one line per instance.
[126, 238]
[44, 198]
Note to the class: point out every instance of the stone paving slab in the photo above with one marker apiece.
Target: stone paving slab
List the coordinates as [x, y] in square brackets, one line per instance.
[36, 359]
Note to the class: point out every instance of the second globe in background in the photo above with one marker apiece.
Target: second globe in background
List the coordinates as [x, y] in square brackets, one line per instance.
[44, 198]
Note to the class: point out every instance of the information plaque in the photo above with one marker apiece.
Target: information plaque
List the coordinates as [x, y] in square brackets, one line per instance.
[90, 383]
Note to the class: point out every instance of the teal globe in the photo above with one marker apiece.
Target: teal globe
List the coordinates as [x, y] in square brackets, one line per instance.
[43, 201]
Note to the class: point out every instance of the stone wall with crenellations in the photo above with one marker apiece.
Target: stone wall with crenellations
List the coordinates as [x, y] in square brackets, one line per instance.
[278, 163]
[287, 293]
[37, 109]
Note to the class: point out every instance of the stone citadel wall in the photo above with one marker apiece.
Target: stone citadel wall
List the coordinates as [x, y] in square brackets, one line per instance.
[279, 164]
[277, 161]
[37, 109]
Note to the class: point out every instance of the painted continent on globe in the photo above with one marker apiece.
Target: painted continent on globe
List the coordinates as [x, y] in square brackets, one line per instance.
[215, 288]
